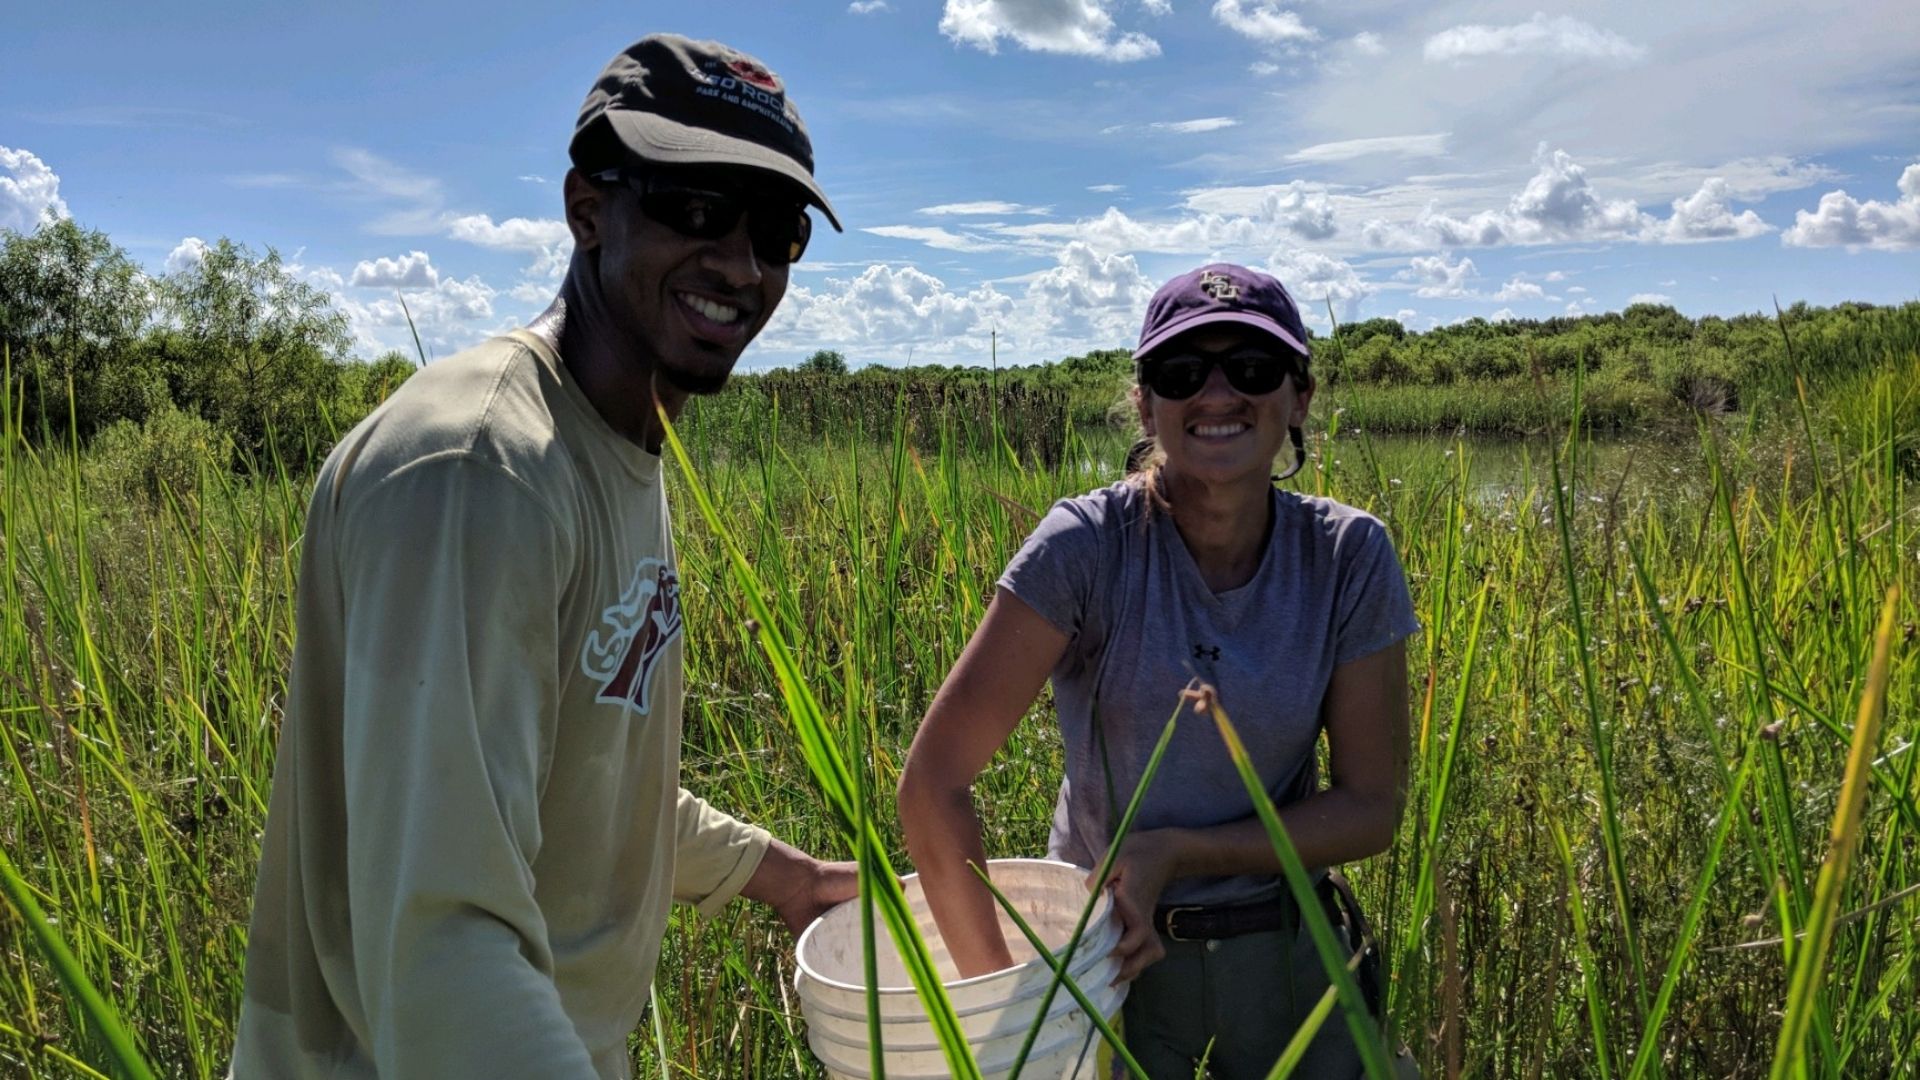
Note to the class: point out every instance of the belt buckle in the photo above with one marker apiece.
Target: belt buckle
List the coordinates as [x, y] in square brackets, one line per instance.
[1174, 913]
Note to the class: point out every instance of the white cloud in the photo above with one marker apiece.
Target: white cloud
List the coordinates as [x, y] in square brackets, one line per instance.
[1087, 299]
[886, 307]
[1368, 43]
[29, 191]
[867, 7]
[1263, 68]
[1398, 145]
[1516, 289]
[1557, 205]
[1304, 212]
[1560, 37]
[1405, 316]
[933, 236]
[1705, 215]
[1178, 127]
[1264, 21]
[1843, 221]
[1314, 279]
[1158, 7]
[984, 206]
[410, 271]
[536, 179]
[1649, 298]
[1576, 289]
[1106, 189]
[1503, 315]
[1556, 275]
[1070, 27]
[186, 254]
[1439, 279]
[513, 234]
[1262, 219]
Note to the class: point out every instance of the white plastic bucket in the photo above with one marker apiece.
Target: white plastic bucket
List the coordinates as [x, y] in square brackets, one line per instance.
[995, 1010]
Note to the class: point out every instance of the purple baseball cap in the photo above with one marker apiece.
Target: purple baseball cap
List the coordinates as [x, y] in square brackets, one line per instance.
[1223, 293]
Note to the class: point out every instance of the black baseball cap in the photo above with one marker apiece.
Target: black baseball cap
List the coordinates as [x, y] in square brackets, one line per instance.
[669, 100]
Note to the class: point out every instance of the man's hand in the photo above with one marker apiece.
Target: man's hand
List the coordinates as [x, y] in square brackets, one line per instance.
[799, 887]
[1147, 862]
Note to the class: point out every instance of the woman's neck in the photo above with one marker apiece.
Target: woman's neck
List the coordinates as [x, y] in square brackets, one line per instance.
[1223, 525]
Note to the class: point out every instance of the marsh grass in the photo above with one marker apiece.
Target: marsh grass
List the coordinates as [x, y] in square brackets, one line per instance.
[1638, 706]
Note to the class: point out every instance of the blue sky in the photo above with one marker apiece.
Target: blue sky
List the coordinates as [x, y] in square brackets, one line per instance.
[1033, 167]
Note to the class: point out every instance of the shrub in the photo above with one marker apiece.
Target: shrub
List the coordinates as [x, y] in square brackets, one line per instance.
[163, 453]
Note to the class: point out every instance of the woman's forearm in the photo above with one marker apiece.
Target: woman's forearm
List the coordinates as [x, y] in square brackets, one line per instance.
[1327, 828]
[943, 837]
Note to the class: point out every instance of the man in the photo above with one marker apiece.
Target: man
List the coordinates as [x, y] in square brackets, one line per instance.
[476, 828]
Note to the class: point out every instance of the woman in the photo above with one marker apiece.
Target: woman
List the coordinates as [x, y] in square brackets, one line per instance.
[1294, 609]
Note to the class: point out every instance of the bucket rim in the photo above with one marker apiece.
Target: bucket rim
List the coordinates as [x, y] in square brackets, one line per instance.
[1102, 908]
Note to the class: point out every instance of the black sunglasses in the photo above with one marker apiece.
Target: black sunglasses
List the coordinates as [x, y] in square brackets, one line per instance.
[778, 228]
[1180, 375]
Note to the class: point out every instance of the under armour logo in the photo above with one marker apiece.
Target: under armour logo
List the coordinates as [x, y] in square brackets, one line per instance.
[1219, 286]
[1206, 652]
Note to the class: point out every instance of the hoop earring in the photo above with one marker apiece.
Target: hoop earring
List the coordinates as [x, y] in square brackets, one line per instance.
[1299, 454]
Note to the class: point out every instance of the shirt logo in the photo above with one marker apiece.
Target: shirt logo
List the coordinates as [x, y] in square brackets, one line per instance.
[1206, 652]
[638, 630]
[1219, 286]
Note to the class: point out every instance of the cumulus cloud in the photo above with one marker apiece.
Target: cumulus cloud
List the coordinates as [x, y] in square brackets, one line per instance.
[1843, 221]
[1087, 299]
[1263, 68]
[1263, 218]
[867, 7]
[1706, 215]
[1070, 27]
[513, 234]
[186, 254]
[1516, 289]
[886, 306]
[1649, 298]
[29, 191]
[1439, 279]
[1315, 279]
[410, 271]
[1368, 43]
[983, 206]
[1264, 21]
[1560, 37]
[1557, 205]
[1158, 7]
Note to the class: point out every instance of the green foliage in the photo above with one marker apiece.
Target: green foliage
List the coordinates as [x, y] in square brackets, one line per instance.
[156, 457]
[824, 362]
[71, 305]
[254, 349]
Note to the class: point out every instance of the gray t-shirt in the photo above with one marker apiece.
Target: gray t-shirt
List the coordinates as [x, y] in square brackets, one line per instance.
[1121, 584]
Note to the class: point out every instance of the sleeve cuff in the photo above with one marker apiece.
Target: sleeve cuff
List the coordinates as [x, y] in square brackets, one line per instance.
[752, 848]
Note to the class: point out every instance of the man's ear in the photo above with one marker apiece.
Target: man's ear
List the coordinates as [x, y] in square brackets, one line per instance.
[586, 203]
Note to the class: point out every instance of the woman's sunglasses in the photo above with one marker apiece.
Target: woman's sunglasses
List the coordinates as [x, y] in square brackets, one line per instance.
[778, 228]
[1180, 375]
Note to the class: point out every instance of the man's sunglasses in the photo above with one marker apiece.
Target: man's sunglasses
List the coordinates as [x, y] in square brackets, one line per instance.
[777, 227]
[1180, 375]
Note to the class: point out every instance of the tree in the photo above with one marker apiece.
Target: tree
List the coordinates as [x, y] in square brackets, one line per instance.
[824, 362]
[255, 349]
[71, 305]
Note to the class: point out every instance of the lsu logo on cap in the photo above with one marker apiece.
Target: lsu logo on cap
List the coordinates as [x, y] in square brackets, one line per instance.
[1219, 286]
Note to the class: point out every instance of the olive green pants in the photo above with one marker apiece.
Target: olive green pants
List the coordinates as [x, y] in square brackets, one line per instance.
[1245, 997]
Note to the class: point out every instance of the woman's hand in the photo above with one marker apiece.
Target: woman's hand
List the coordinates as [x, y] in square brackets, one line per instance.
[1147, 862]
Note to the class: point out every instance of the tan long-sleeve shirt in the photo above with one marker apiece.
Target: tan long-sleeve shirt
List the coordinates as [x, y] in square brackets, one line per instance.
[477, 828]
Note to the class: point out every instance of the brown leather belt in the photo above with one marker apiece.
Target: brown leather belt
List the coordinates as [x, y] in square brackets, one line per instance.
[1207, 922]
